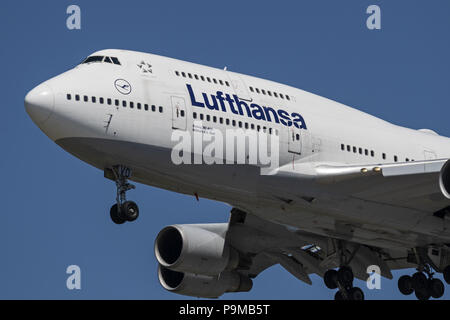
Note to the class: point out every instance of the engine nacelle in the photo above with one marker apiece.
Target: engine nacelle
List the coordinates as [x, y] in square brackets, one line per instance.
[444, 179]
[198, 249]
[203, 286]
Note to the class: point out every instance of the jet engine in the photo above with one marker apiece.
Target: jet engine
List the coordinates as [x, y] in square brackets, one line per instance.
[196, 285]
[444, 180]
[195, 260]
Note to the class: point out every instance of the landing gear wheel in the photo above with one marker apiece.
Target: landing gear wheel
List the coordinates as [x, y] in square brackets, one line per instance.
[405, 285]
[345, 276]
[446, 274]
[422, 294]
[115, 216]
[330, 278]
[130, 211]
[339, 296]
[356, 294]
[436, 288]
[420, 281]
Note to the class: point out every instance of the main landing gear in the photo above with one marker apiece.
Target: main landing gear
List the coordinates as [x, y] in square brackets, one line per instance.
[423, 284]
[343, 279]
[122, 210]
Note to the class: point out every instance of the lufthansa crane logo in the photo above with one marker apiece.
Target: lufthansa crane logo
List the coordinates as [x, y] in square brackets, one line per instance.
[123, 86]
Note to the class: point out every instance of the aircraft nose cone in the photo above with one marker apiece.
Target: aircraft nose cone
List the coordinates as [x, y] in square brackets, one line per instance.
[39, 103]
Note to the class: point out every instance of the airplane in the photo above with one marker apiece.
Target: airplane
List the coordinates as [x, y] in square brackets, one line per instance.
[349, 192]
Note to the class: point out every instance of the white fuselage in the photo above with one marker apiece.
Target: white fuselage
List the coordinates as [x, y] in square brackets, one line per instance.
[105, 134]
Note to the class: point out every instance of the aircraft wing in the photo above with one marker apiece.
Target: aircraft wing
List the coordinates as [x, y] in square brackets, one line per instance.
[262, 244]
[420, 185]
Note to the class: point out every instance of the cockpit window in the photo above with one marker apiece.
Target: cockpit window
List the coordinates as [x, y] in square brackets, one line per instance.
[115, 60]
[93, 59]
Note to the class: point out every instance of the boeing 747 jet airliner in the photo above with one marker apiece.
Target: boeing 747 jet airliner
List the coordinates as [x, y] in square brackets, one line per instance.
[316, 186]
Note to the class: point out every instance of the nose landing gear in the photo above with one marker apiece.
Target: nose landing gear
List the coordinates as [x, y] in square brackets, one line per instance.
[122, 210]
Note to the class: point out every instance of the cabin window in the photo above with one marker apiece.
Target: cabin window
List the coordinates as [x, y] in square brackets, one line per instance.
[69, 97]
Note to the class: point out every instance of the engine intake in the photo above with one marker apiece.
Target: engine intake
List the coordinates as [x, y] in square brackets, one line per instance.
[444, 179]
[198, 249]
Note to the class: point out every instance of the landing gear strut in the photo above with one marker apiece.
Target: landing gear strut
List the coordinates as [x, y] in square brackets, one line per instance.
[122, 210]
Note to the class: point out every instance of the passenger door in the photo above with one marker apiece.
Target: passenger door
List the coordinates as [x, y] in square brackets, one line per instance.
[111, 117]
[178, 113]
[239, 86]
[294, 140]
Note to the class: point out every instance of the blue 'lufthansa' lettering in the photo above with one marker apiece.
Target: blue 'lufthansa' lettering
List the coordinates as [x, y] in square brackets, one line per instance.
[253, 110]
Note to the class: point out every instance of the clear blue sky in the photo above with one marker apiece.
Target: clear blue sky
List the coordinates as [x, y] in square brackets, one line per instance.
[55, 208]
